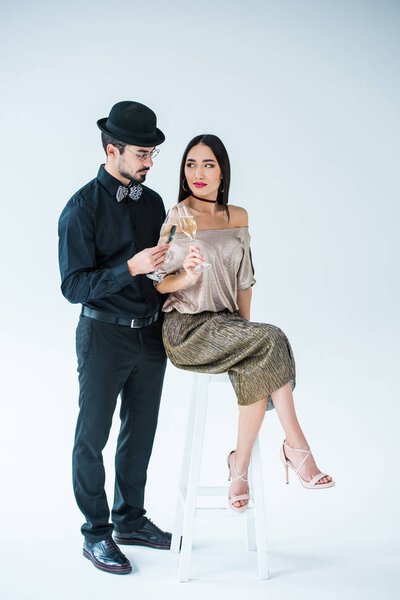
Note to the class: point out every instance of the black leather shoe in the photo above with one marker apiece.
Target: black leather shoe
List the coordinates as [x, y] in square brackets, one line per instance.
[148, 535]
[106, 556]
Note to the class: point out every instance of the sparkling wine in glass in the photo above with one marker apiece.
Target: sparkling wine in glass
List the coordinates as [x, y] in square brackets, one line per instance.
[167, 234]
[189, 228]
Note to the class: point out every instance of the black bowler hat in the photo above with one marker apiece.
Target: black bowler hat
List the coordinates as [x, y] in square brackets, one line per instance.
[132, 123]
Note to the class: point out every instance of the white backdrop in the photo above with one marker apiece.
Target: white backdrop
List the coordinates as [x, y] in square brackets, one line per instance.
[305, 95]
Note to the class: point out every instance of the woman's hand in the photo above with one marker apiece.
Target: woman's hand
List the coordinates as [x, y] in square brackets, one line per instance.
[192, 260]
[186, 277]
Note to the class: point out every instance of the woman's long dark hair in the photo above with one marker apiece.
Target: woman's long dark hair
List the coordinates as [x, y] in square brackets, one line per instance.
[215, 144]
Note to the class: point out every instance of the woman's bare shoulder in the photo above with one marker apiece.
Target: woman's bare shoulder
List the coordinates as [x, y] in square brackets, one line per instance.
[239, 216]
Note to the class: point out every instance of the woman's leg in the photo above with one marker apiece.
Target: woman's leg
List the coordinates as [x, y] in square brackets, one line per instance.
[284, 405]
[250, 421]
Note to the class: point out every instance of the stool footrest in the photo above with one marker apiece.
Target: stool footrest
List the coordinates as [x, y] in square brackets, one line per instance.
[211, 493]
[223, 512]
[208, 491]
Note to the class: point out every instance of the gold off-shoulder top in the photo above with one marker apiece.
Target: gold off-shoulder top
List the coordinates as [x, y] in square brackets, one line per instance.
[228, 252]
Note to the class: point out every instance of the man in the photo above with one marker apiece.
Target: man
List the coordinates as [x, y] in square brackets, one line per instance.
[108, 233]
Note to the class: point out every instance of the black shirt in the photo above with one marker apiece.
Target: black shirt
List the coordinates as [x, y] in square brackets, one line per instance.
[97, 235]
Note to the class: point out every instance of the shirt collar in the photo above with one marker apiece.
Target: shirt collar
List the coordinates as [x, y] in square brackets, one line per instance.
[108, 181]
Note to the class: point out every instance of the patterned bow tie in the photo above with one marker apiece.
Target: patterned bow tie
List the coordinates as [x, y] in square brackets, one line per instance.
[133, 191]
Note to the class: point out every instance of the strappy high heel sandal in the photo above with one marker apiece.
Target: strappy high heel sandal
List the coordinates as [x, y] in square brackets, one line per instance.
[313, 483]
[233, 476]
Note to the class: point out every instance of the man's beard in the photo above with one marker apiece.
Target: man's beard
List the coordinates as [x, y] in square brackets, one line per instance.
[139, 177]
[136, 177]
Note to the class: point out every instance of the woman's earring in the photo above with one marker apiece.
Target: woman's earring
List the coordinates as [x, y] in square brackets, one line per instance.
[183, 185]
[220, 188]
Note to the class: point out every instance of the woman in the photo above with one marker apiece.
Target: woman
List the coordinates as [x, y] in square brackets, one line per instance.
[207, 324]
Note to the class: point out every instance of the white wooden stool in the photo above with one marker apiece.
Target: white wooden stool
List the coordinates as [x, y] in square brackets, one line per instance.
[189, 488]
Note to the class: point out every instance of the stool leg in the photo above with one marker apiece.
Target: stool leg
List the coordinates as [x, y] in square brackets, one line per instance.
[250, 520]
[259, 508]
[183, 480]
[251, 531]
[200, 392]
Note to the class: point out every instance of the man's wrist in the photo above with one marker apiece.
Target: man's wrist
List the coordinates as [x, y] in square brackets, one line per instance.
[131, 268]
[121, 274]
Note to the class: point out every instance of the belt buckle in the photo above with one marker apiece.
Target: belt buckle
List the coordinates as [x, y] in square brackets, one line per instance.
[133, 326]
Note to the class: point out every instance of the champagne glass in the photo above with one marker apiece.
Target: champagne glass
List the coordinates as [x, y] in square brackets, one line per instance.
[167, 234]
[189, 228]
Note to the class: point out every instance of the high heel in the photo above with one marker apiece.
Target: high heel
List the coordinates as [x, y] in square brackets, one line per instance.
[243, 477]
[287, 473]
[313, 483]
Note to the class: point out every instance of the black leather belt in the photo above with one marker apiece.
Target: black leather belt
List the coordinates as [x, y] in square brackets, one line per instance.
[107, 318]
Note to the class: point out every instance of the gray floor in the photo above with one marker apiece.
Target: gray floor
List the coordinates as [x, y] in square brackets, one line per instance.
[314, 567]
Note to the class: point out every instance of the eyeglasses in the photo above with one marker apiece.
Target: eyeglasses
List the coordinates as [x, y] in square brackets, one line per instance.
[142, 156]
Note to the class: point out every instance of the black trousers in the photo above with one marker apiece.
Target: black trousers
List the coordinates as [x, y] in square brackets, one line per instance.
[113, 360]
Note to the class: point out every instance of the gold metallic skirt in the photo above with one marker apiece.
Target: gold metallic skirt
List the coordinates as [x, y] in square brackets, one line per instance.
[257, 357]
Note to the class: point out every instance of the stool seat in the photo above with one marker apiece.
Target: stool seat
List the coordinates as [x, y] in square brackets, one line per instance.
[197, 501]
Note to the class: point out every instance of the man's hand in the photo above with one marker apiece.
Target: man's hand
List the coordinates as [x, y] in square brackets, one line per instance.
[148, 260]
